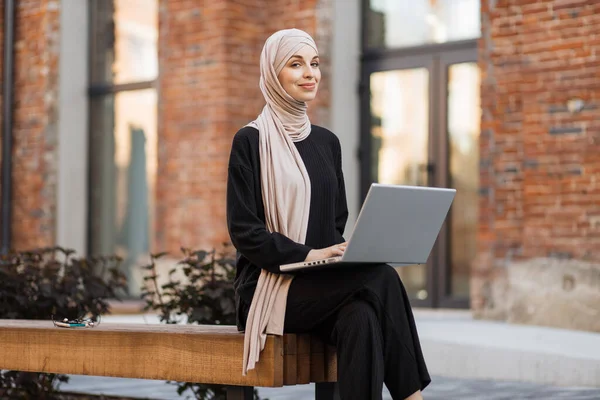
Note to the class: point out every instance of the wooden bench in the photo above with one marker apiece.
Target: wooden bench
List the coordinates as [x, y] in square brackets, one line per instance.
[184, 353]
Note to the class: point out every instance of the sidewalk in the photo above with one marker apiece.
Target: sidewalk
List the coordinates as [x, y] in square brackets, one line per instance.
[468, 359]
[441, 388]
[456, 345]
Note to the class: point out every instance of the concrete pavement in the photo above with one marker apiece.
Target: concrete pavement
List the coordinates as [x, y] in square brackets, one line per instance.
[441, 388]
[456, 345]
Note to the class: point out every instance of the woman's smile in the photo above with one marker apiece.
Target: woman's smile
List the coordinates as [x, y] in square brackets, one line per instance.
[308, 86]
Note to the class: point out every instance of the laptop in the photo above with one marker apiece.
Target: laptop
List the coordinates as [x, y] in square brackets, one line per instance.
[397, 224]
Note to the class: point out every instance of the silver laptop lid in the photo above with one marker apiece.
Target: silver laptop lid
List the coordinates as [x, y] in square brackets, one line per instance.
[398, 224]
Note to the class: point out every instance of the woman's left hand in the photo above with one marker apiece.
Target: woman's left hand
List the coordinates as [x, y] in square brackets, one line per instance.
[328, 252]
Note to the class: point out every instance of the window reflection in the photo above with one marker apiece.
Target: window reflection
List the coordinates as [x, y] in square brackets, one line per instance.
[123, 46]
[400, 126]
[123, 176]
[399, 142]
[404, 23]
[464, 114]
[124, 41]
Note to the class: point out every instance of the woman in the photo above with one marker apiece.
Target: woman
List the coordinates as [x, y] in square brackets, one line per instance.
[286, 203]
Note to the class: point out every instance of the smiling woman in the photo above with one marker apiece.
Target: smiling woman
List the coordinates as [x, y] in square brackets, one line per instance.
[286, 203]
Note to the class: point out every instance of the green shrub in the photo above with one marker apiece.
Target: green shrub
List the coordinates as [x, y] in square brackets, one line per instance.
[44, 282]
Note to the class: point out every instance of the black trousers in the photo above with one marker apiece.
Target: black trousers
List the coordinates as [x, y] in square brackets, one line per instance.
[365, 312]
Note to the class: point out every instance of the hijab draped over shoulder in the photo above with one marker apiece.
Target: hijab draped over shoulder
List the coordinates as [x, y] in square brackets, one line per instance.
[285, 184]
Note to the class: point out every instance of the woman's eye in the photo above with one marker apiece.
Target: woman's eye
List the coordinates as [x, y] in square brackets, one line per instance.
[295, 64]
[315, 64]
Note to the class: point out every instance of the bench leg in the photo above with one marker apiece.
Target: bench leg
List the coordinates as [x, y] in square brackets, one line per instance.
[240, 393]
[326, 391]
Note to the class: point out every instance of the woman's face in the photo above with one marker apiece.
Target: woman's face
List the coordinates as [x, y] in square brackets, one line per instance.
[300, 75]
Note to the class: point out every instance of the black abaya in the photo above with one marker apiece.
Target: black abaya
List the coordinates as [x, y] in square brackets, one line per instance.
[363, 310]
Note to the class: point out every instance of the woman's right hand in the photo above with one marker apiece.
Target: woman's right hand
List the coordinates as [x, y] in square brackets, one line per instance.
[320, 254]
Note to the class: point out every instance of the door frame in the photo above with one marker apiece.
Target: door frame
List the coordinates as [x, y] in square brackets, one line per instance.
[443, 247]
[436, 58]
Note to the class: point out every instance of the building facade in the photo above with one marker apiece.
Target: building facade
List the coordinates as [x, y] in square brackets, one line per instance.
[123, 113]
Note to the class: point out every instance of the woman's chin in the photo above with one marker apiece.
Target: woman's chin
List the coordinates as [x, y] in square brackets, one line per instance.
[306, 98]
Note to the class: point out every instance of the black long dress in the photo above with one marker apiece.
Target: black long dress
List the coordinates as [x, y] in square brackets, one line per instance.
[363, 310]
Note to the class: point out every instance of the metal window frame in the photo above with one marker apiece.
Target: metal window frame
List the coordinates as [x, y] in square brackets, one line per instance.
[6, 214]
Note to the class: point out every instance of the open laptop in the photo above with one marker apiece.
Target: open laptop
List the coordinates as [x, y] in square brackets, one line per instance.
[396, 224]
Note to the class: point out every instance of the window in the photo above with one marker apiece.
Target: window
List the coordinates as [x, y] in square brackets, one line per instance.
[123, 133]
[406, 23]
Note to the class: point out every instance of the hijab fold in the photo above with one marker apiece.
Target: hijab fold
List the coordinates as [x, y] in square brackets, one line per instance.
[285, 184]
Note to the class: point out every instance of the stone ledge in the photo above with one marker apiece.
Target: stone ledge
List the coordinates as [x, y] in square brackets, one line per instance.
[555, 293]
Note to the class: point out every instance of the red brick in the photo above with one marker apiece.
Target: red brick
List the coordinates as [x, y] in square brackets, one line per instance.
[34, 122]
[536, 56]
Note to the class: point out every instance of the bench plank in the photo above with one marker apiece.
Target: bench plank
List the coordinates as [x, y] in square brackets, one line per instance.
[290, 363]
[303, 358]
[185, 353]
[317, 360]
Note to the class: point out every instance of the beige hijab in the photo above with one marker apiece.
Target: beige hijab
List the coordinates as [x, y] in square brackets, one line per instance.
[285, 184]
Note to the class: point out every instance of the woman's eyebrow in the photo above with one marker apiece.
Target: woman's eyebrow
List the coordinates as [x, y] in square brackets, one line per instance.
[297, 57]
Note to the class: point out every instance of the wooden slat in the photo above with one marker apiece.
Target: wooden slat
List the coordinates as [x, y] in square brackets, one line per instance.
[303, 358]
[317, 360]
[185, 353]
[290, 367]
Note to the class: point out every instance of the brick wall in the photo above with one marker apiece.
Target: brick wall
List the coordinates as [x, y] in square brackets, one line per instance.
[208, 89]
[34, 122]
[540, 193]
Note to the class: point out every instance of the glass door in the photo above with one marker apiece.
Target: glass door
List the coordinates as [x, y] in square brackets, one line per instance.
[421, 117]
[399, 139]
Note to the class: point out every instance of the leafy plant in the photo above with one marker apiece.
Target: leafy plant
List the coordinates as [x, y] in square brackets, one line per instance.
[48, 282]
[206, 296]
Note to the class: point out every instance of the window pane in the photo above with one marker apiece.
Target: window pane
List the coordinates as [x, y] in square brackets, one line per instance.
[124, 41]
[400, 126]
[123, 175]
[399, 142]
[405, 23]
[464, 113]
